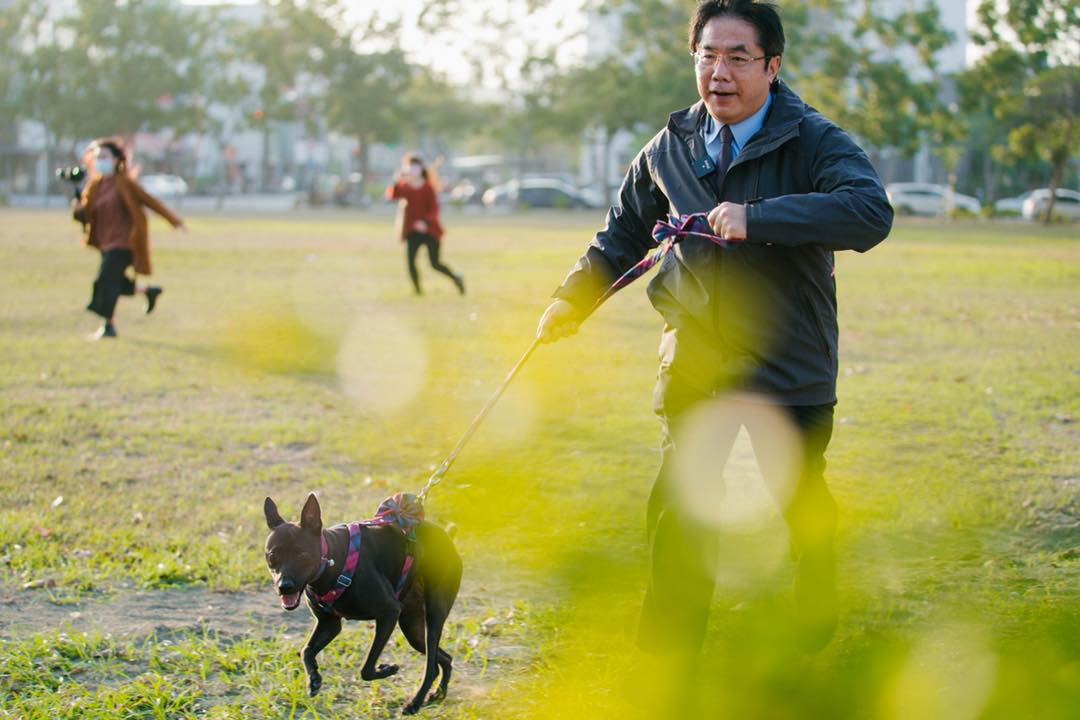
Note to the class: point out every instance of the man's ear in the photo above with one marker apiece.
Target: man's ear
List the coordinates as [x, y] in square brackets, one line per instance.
[273, 517]
[311, 515]
[774, 68]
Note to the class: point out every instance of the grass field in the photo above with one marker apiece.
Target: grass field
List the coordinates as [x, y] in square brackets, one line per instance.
[288, 355]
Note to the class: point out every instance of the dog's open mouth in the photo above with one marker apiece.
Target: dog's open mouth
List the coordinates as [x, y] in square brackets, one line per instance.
[289, 602]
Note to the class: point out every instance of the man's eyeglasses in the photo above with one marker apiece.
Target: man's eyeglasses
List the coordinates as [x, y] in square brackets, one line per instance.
[707, 60]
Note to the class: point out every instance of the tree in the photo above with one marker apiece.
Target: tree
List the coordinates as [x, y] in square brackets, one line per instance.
[518, 66]
[366, 97]
[290, 48]
[440, 112]
[1030, 73]
[986, 90]
[133, 64]
[1049, 107]
[10, 22]
[45, 85]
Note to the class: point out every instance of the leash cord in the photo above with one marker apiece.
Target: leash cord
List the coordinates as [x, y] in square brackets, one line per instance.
[437, 476]
[667, 234]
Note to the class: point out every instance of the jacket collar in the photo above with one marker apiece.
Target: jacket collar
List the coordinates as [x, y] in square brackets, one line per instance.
[781, 124]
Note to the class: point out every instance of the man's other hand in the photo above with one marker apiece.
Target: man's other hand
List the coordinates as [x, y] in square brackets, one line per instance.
[728, 220]
[561, 319]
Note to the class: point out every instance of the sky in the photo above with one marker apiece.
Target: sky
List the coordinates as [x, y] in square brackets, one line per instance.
[448, 51]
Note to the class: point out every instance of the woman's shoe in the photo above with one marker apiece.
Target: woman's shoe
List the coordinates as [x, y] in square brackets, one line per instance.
[152, 293]
[105, 331]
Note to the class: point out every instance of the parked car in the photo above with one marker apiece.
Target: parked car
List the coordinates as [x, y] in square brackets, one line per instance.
[1066, 204]
[926, 199]
[1011, 205]
[535, 193]
[165, 187]
[465, 193]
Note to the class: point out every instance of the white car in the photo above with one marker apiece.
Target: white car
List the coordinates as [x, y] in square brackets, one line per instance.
[1011, 205]
[926, 199]
[165, 187]
[1066, 204]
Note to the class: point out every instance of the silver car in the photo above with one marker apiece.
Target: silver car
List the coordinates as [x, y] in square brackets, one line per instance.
[170, 188]
[1066, 204]
[926, 199]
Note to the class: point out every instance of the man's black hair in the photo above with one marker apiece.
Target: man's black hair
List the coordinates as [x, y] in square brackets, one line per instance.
[764, 16]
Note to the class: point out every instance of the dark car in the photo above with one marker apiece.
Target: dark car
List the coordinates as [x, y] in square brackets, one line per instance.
[536, 193]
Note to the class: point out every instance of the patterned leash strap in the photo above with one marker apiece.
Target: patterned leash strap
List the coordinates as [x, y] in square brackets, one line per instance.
[666, 233]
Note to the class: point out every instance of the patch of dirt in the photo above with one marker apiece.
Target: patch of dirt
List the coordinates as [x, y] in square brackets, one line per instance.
[139, 613]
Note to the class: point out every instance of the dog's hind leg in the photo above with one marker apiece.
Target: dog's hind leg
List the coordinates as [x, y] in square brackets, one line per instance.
[384, 625]
[411, 623]
[435, 616]
[326, 629]
[412, 627]
[446, 666]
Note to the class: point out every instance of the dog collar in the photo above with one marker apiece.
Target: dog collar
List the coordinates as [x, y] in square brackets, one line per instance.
[325, 561]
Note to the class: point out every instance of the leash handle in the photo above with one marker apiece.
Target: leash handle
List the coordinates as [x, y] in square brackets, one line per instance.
[437, 476]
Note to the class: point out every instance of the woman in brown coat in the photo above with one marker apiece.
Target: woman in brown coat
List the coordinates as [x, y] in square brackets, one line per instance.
[112, 213]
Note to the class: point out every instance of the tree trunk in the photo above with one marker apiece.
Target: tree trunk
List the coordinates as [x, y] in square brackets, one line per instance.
[48, 165]
[223, 186]
[523, 150]
[989, 178]
[365, 168]
[605, 172]
[1061, 161]
[264, 172]
[1055, 182]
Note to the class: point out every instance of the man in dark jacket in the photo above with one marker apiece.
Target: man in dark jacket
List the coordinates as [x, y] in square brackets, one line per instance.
[786, 188]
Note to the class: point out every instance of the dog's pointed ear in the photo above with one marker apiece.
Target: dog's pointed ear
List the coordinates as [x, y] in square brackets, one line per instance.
[311, 515]
[273, 517]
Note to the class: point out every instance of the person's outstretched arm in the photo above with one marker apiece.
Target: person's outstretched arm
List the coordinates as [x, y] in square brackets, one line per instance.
[625, 239]
[156, 205]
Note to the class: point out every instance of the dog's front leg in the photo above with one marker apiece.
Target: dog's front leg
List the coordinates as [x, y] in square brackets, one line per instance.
[327, 628]
[384, 626]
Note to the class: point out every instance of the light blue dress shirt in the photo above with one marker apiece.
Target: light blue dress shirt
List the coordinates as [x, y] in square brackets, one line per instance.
[741, 132]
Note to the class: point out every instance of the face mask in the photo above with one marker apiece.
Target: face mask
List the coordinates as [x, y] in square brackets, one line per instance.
[105, 166]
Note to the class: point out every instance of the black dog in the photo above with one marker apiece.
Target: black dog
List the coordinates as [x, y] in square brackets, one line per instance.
[305, 559]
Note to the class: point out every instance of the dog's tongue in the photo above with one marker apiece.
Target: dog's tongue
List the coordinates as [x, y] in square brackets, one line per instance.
[289, 601]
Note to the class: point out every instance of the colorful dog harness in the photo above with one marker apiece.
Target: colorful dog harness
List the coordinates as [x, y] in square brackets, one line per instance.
[402, 510]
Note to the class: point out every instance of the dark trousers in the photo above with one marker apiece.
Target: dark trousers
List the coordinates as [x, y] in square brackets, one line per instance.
[112, 281]
[414, 241]
[685, 548]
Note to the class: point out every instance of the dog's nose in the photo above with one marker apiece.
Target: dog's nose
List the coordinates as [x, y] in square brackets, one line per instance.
[286, 586]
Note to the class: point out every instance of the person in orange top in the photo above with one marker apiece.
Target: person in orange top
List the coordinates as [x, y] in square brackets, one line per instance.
[111, 211]
[415, 185]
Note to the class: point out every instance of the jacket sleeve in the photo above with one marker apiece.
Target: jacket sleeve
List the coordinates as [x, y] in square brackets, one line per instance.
[847, 208]
[625, 239]
[156, 205]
